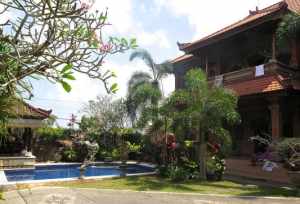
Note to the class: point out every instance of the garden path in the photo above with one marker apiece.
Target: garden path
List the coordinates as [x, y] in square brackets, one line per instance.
[53, 195]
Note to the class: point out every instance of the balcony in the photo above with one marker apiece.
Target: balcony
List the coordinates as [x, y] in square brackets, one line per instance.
[251, 73]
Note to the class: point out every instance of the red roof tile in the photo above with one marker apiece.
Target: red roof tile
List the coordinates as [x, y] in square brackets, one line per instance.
[259, 85]
[293, 5]
[23, 109]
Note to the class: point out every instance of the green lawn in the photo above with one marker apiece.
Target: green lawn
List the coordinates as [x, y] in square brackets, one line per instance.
[152, 183]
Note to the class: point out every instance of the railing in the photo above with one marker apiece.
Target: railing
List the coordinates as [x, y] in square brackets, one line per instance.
[251, 73]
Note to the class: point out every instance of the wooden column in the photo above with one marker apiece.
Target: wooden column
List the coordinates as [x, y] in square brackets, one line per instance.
[276, 122]
[296, 121]
[206, 65]
[295, 52]
[273, 47]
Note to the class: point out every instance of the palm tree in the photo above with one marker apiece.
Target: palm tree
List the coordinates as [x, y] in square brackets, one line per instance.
[206, 109]
[145, 89]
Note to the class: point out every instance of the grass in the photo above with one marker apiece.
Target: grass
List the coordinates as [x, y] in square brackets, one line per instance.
[1, 195]
[152, 183]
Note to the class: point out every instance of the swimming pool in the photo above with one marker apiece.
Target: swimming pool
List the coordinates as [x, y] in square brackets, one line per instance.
[46, 172]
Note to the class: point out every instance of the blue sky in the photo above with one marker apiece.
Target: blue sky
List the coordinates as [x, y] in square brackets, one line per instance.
[157, 25]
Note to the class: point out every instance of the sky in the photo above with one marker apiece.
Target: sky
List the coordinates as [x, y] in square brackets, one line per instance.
[157, 25]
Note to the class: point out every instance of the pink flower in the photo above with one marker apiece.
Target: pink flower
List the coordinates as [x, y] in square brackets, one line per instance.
[85, 6]
[105, 47]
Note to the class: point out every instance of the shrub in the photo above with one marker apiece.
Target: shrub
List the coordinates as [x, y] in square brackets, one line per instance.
[289, 151]
[69, 154]
[163, 171]
[177, 173]
[50, 134]
[115, 154]
[215, 168]
[191, 168]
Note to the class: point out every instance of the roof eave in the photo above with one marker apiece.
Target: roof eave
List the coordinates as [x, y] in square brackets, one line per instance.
[189, 48]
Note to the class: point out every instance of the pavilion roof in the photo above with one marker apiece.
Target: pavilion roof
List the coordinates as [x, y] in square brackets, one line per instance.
[27, 111]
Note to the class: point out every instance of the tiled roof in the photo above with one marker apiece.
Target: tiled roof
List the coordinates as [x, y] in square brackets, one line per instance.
[25, 110]
[259, 85]
[181, 58]
[293, 5]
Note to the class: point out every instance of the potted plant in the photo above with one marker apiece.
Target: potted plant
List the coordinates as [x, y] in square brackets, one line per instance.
[289, 151]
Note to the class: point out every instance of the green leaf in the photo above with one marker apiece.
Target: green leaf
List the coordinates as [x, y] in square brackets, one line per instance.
[68, 76]
[133, 43]
[102, 18]
[124, 42]
[114, 88]
[66, 68]
[113, 74]
[67, 87]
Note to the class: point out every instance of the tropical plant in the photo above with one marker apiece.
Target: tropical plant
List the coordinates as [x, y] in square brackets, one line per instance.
[207, 108]
[69, 154]
[53, 40]
[215, 167]
[177, 173]
[50, 134]
[288, 32]
[289, 151]
[145, 89]
[7, 103]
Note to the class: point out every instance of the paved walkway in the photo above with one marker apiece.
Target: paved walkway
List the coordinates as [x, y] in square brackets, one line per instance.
[48, 195]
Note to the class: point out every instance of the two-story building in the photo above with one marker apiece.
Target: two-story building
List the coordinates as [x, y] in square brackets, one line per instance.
[246, 58]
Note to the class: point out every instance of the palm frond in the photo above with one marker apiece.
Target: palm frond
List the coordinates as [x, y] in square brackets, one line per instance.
[164, 69]
[146, 57]
[138, 78]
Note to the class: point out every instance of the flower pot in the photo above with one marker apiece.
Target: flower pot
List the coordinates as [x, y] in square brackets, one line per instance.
[294, 177]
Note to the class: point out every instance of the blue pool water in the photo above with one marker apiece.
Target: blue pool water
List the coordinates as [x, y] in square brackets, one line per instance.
[70, 171]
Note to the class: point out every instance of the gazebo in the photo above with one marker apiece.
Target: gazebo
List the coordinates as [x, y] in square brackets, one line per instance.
[21, 130]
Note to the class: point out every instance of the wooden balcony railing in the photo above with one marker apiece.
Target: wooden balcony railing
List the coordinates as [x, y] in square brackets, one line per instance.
[250, 73]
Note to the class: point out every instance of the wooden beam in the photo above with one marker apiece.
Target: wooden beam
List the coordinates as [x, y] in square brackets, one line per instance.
[25, 123]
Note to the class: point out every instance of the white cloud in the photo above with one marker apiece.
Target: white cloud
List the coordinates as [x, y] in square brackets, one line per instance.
[119, 14]
[157, 38]
[209, 16]
[83, 89]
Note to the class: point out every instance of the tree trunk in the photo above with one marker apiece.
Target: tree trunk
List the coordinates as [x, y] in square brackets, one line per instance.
[202, 161]
[295, 53]
[202, 155]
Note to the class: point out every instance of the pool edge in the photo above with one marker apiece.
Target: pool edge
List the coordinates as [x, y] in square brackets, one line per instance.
[5, 183]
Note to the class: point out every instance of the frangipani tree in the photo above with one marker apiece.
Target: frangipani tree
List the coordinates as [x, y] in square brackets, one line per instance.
[207, 108]
[52, 39]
